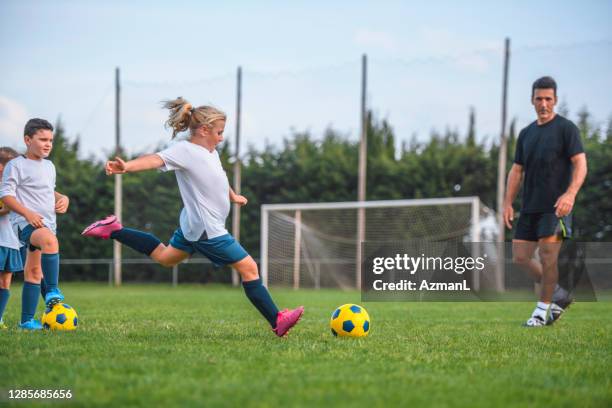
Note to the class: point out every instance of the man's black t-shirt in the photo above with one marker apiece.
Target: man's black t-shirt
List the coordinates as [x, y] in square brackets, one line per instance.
[544, 151]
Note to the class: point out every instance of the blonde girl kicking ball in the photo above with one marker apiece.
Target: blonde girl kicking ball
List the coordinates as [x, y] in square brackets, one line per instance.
[206, 196]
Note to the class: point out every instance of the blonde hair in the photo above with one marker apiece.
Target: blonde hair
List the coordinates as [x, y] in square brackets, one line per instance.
[7, 154]
[183, 115]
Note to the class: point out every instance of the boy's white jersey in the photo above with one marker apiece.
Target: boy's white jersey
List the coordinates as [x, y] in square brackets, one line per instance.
[204, 188]
[32, 182]
[7, 236]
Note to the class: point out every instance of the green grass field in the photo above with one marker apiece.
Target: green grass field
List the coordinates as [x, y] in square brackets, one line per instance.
[153, 345]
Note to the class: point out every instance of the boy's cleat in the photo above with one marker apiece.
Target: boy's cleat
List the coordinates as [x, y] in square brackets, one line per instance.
[103, 228]
[53, 297]
[3, 326]
[286, 319]
[31, 324]
[535, 321]
[558, 308]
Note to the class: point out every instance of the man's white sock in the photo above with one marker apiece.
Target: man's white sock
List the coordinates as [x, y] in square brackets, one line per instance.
[541, 310]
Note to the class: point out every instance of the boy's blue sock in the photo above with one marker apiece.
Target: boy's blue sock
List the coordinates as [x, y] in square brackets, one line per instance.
[43, 288]
[142, 242]
[5, 294]
[29, 300]
[50, 269]
[23, 251]
[261, 299]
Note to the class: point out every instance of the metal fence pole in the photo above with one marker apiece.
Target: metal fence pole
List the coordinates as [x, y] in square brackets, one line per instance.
[363, 164]
[175, 275]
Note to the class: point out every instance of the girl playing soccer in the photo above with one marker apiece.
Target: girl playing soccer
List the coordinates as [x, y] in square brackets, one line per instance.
[206, 196]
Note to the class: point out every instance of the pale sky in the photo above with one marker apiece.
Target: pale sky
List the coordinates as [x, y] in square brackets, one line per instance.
[428, 64]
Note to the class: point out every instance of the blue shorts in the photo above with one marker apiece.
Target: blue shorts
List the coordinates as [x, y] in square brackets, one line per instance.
[223, 250]
[25, 234]
[10, 260]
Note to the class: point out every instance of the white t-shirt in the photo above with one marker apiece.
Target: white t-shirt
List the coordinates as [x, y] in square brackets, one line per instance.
[7, 236]
[204, 188]
[32, 182]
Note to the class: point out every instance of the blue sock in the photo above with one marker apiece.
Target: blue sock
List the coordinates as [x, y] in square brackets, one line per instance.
[23, 251]
[142, 242]
[43, 288]
[5, 294]
[260, 298]
[29, 300]
[50, 269]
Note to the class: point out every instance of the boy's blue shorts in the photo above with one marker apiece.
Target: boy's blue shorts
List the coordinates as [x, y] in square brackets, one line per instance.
[223, 250]
[25, 234]
[10, 260]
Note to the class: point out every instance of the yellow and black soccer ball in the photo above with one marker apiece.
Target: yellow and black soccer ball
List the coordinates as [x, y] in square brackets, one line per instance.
[350, 321]
[60, 316]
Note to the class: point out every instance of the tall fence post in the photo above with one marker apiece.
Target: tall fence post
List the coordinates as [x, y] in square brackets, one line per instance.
[175, 275]
[110, 273]
[363, 163]
[501, 176]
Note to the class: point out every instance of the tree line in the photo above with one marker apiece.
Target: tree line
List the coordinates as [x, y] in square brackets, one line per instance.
[323, 169]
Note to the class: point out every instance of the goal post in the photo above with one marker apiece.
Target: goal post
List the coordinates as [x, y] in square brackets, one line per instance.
[317, 244]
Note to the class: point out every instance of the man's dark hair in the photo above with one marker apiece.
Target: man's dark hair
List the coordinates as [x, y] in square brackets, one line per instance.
[36, 124]
[545, 82]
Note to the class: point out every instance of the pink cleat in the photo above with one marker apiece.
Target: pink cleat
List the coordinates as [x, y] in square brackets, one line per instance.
[103, 228]
[286, 319]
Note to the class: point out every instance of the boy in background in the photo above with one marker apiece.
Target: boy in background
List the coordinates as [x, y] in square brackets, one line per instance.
[10, 258]
[28, 190]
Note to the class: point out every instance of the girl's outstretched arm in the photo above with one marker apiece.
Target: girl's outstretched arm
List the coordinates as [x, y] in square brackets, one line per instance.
[146, 162]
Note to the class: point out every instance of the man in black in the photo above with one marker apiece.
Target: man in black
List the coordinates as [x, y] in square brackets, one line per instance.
[550, 156]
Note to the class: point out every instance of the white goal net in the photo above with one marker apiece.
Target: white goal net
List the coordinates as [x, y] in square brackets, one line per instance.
[317, 245]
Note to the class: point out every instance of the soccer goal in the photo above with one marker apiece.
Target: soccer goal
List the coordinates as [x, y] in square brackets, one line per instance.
[317, 245]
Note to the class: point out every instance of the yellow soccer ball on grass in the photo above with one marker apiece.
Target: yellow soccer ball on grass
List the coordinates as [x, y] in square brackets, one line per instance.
[350, 321]
[60, 316]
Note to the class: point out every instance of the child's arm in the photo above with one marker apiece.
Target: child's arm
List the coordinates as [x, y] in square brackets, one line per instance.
[146, 162]
[31, 217]
[61, 203]
[3, 208]
[10, 181]
[237, 198]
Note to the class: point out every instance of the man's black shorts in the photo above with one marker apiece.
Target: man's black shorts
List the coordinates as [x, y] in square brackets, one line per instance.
[533, 226]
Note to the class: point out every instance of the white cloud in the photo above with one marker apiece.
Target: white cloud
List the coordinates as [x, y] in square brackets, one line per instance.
[13, 117]
[376, 39]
